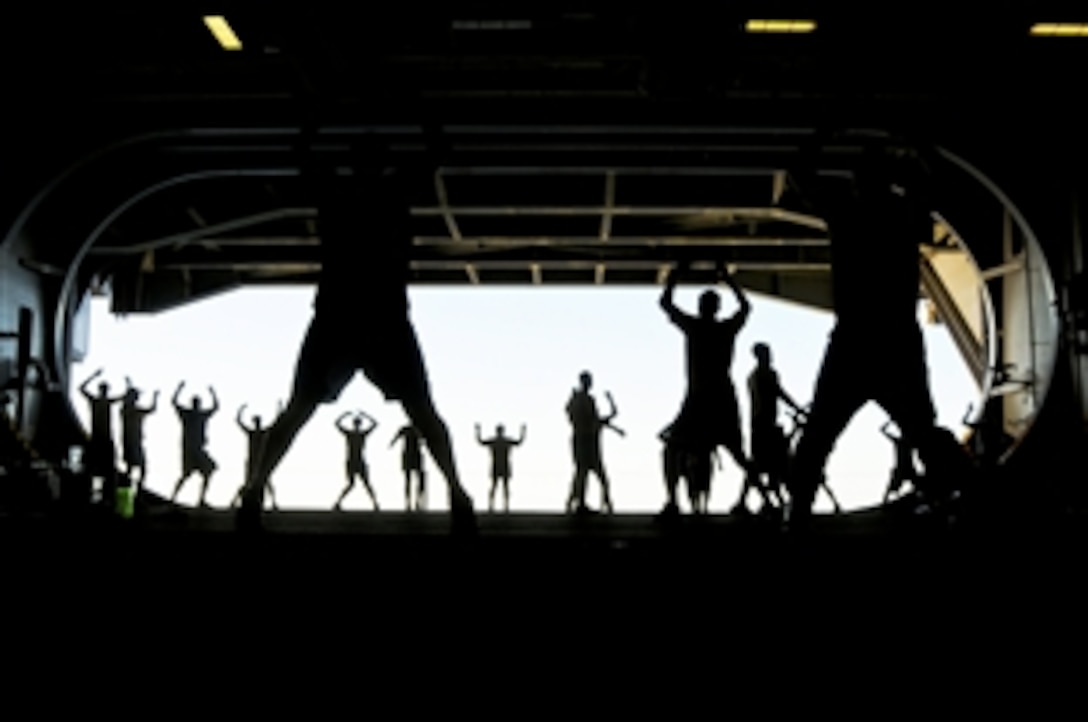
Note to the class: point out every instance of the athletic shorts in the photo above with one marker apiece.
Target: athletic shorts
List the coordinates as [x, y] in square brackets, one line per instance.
[335, 348]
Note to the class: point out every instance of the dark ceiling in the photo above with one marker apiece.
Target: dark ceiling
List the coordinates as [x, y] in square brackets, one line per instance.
[75, 76]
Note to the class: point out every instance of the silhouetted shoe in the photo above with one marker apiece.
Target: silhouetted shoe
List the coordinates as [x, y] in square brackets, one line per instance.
[462, 515]
[670, 512]
[247, 517]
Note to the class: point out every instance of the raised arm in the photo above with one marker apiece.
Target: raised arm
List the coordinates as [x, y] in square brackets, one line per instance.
[479, 438]
[884, 430]
[83, 386]
[398, 435]
[215, 401]
[154, 402]
[340, 420]
[367, 417]
[521, 436]
[176, 399]
[675, 314]
[741, 316]
[238, 419]
[612, 407]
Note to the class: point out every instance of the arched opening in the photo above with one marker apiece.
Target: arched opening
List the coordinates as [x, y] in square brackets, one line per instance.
[176, 217]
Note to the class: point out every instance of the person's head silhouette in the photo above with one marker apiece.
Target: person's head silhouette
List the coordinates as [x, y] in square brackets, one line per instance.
[499, 430]
[586, 380]
[103, 390]
[257, 423]
[196, 403]
[357, 422]
[709, 303]
[762, 352]
[131, 395]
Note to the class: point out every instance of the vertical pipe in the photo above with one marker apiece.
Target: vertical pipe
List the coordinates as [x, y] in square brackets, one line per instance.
[26, 319]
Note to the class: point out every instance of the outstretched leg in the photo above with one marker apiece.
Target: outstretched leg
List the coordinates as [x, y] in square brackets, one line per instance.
[606, 494]
[280, 437]
[670, 462]
[365, 478]
[425, 417]
[204, 481]
[421, 490]
[181, 482]
[343, 495]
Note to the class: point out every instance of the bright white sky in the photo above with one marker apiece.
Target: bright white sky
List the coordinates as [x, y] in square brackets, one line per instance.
[506, 355]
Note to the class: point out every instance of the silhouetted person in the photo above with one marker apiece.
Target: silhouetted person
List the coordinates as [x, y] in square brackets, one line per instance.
[411, 462]
[361, 322]
[500, 446]
[709, 415]
[132, 433]
[194, 438]
[876, 351]
[770, 451]
[587, 424]
[255, 439]
[355, 437]
[903, 472]
[101, 453]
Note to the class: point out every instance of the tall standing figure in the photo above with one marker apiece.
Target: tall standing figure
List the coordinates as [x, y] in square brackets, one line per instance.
[355, 438]
[101, 454]
[876, 221]
[132, 433]
[411, 462]
[255, 438]
[770, 447]
[709, 415]
[194, 440]
[361, 322]
[587, 424]
[500, 445]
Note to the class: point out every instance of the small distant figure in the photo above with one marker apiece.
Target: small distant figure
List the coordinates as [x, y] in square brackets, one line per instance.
[101, 453]
[255, 436]
[770, 447]
[903, 472]
[355, 437]
[132, 433]
[587, 424]
[500, 446]
[411, 461]
[194, 455]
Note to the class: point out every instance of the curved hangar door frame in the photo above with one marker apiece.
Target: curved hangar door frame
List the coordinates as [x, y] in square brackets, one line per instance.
[630, 202]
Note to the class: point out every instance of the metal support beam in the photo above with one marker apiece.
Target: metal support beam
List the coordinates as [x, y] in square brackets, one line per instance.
[609, 202]
[473, 276]
[1005, 269]
[187, 237]
[973, 353]
[444, 207]
[538, 278]
[598, 274]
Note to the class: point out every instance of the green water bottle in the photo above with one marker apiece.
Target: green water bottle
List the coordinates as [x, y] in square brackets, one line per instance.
[125, 500]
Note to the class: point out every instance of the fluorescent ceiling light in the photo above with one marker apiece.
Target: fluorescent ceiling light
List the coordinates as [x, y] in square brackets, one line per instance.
[1060, 29]
[780, 26]
[222, 31]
